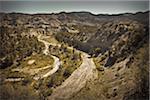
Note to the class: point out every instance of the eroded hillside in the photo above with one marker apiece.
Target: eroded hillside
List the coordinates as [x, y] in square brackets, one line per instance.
[74, 56]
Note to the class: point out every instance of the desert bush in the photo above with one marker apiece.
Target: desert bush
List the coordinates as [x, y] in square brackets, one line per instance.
[11, 92]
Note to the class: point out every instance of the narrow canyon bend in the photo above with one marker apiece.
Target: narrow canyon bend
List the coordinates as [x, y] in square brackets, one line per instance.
[86, 72]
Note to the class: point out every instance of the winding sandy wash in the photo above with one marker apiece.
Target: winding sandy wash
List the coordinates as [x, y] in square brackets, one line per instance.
[56, 64]
[55, 68]
[86, 72]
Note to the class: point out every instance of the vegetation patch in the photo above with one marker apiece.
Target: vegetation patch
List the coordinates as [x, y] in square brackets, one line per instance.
[70, 59]
[15, 47]
[40, 60]
[16, 91]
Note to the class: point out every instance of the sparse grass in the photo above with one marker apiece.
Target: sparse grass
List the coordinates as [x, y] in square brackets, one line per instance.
[70, 62]
[70, 59]
[41, 64]
[15, 74]
[41, 60]
[99, 63]
[9, 74]
[17, 92]
[51, 39]
[25, 89]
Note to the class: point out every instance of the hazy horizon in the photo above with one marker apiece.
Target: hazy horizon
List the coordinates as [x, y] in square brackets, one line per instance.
[95, 7]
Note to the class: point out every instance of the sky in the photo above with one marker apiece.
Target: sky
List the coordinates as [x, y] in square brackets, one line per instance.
[95, 7]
